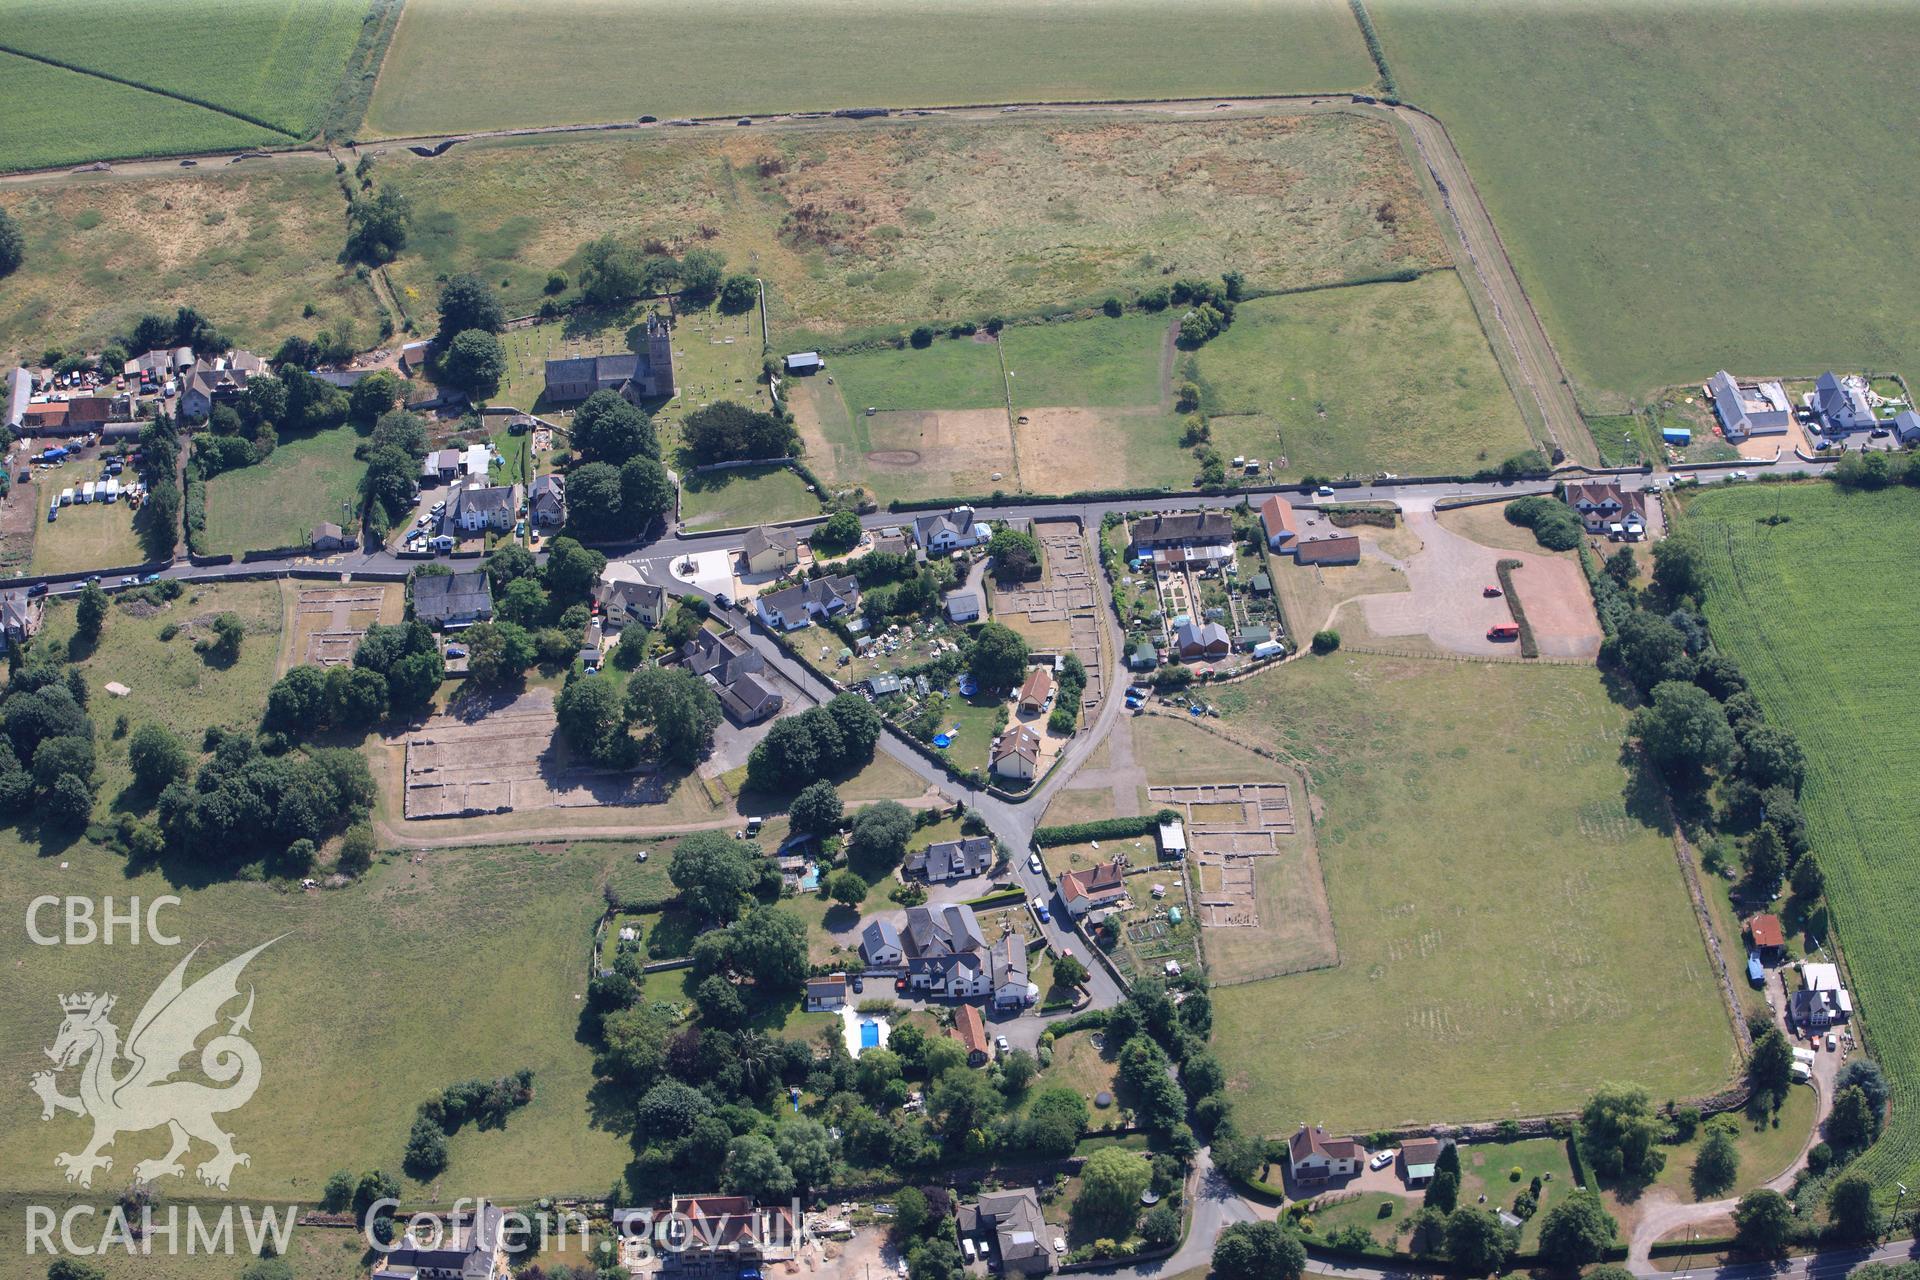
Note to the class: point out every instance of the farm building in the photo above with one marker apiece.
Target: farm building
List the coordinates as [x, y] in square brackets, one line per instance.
[328, 536]
[1418, 1158]
[1769, 939]
[801, 363]
[1305, 534]
[1173, 839]
[19, 396]
[1750, 409]
[635, 376]
[159, 365]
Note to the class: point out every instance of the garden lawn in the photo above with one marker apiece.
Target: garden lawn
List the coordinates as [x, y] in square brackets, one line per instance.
[1488, 1169]
[1511, 931]
[276, 503]
[976, 717]
[88, 535]
[1823, 616]
[355, 1017]
[169, 683]
[576, 64]
[1384, 377]
[746, 496]
[1610, 144]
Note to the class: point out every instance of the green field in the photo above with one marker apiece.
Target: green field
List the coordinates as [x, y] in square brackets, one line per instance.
[56, 117]
[250, 246]
[97, 535]
[365, 1006]
[1511, 932]
[1386, 377]
[1823, 616]
[750, 495]
[953, 373]
[1104, 362]
[1642, 164]
[577, 64]
[276, 503]
[167, 681]
[278, 61]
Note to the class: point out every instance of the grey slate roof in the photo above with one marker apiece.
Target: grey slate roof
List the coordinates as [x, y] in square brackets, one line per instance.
[459, 595]
[953, 859]
[877, 936]
[1182, 526]
[948, 930]
[762, 537]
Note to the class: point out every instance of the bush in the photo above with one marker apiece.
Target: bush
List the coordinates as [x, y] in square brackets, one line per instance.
[1553, 522]
[1326, 641]
[1104, 829]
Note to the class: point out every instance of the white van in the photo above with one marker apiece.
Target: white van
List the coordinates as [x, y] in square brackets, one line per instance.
[86, 491]
[66, 497]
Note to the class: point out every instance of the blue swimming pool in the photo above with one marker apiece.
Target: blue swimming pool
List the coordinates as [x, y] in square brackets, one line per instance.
[869, 1034]
[811, 880]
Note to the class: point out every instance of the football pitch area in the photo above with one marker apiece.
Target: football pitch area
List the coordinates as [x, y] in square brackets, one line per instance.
[1512, 931]
[600, 60]
[1822, 612]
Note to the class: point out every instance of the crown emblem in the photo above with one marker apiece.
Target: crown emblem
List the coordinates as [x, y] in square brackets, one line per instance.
[82, 1003]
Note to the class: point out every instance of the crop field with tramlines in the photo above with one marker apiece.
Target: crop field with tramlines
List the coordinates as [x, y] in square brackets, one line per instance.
[1822, 611]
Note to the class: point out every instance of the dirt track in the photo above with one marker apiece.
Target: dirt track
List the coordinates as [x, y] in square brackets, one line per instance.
[1541, 375]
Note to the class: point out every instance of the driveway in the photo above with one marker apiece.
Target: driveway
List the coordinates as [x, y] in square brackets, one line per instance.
[1446, 601]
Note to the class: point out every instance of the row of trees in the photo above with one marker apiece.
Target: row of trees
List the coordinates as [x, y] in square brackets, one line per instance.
[836, 737]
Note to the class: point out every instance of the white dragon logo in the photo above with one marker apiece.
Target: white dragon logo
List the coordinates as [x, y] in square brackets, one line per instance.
[144, 1095]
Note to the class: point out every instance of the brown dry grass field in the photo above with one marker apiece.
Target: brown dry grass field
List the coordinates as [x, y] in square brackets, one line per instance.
[898, 222]
[251, 247]
[1295, 930]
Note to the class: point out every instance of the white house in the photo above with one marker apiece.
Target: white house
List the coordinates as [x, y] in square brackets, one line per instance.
[828, 994]
[880, 945]
[817, 598]
[949, 531]
[963, 606]
[486, 507]
[1314, 1157]
[1841, 405]
[1016, 752]
[1096, 887]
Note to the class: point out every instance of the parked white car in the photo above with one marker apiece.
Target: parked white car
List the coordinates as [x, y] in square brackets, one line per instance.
[1033, 863]
[1381, 1159]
